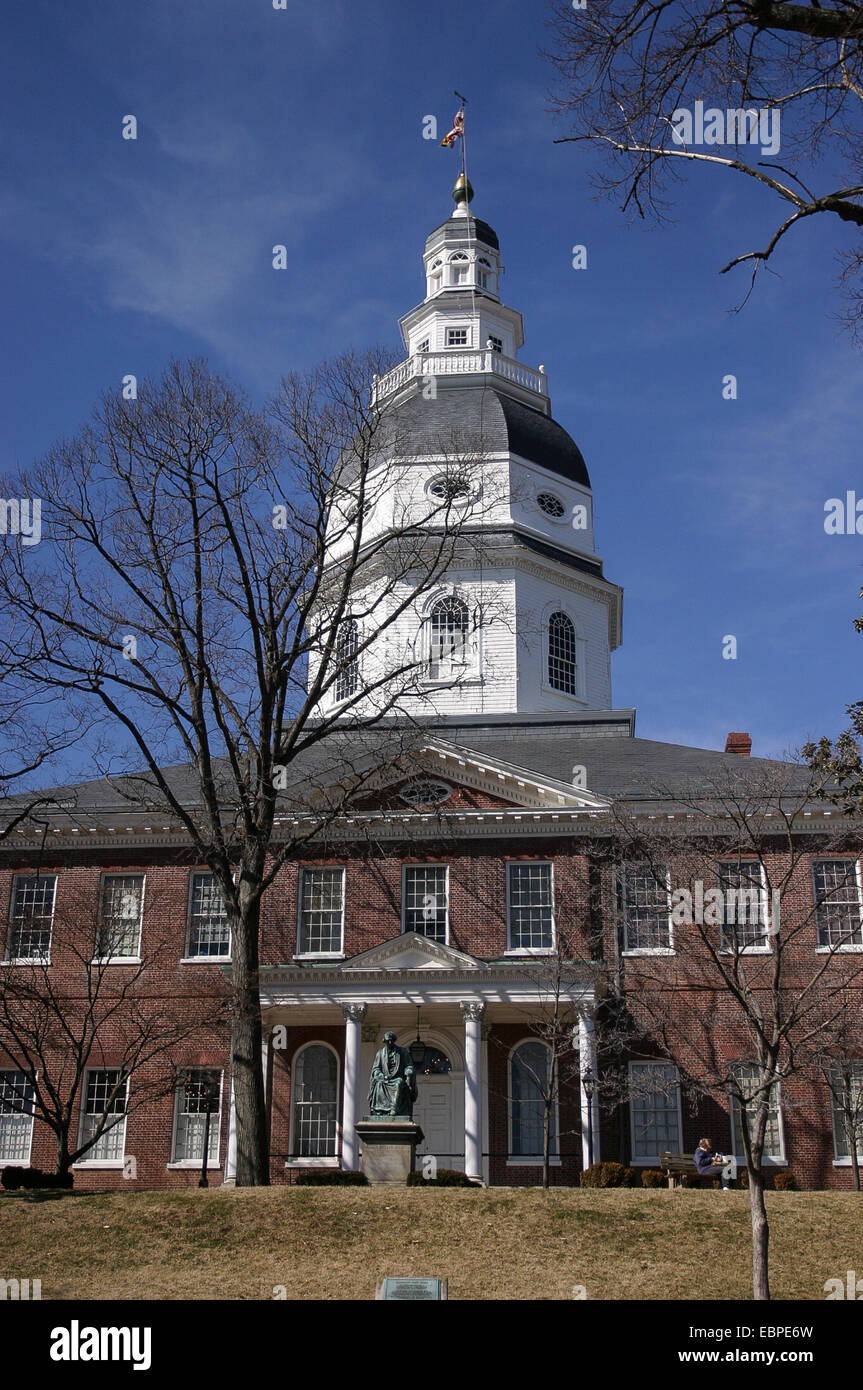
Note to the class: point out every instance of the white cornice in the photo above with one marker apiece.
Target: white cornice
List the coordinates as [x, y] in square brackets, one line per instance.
[512, 824]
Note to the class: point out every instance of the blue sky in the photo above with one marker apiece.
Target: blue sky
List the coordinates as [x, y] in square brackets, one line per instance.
[304, 127]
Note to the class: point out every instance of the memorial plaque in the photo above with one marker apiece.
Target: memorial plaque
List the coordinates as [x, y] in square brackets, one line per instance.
[411, 1289]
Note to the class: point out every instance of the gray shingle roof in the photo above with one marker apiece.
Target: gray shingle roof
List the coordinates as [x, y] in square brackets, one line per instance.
[480, 418]
[637, 771]
[479, 230]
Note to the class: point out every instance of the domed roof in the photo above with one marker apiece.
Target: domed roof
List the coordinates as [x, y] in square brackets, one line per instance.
[458, 224]
[481, 418]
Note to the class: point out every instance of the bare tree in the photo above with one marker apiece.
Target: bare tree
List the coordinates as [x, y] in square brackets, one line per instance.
[842, 1067]
[736, 934]
[34, 735]
[558, 977]
[228, 589]
[783, 76]
[67, 1002]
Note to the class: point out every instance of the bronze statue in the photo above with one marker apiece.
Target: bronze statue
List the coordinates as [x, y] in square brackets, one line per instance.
[393, 1085]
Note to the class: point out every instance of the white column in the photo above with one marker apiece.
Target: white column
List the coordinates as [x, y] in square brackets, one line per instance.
[472, 1011]
[229, 1176]
[589, 1109]
[354, 1015]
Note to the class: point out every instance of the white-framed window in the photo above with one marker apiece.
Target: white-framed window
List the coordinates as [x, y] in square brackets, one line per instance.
[449, 649]
[347, 661]
[31, 917]
[425, 791]
[448, 488]
[530, 1083]
[322, 912]
[744, 1077]
[459, 268]
[530, 906]
[105, 1093]
[744, 925]
[654, 1110]
[838, 903]
[846, 1097]
[314, 1102]
[645, 902]
[435, 276]
[485, 276]
[496, 343]
[197, 1088]
[456, 337]
[16, 1117]
[120, 916]
[562, 663]
[209, 931]
[425, 900]
[424, 345]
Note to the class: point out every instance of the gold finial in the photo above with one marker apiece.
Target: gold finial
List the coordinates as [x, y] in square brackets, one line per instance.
[463, 190]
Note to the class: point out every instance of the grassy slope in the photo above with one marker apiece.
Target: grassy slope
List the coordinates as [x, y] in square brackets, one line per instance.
[503, 1243]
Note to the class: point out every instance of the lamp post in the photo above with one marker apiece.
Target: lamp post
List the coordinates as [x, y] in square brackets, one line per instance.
[588, 1081]
[205, 1090]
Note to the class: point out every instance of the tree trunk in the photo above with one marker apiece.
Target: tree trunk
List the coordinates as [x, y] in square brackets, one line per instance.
[855, 1162]
[760, 1234]
[253, 1157]
[63, 1163]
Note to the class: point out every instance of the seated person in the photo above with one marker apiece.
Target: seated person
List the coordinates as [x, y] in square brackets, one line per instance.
[708, 1161]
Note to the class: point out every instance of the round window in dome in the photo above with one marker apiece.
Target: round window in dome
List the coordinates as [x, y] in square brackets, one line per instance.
[448, 489]
[426, 791]
[551, 504]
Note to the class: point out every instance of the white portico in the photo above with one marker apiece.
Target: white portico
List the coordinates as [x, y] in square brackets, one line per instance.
[459, 999]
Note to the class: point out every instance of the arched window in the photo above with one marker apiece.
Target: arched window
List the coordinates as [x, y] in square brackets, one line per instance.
[347, 663]
[484, 274]
[435, 276]
[561, 653]
[315, 1101]
[531, 1087]
[448, 650]
[459, 268]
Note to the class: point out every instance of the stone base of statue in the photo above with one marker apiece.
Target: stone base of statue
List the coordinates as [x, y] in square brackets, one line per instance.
[389, 1149]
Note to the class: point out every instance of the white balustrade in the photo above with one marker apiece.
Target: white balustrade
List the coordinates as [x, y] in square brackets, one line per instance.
[470, 363]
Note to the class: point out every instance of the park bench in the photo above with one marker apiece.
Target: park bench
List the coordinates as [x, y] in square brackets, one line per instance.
[677, 1166]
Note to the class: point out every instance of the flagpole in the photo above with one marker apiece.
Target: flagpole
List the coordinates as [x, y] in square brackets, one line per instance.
[480, 346]
[463, 101]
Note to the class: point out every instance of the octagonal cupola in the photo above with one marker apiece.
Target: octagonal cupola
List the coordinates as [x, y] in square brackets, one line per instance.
[462, 308]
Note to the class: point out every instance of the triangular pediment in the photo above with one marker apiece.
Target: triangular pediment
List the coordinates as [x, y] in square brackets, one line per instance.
[410, 951]
[475, 781]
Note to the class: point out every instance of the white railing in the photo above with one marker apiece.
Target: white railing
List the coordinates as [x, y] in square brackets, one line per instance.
[454, 363]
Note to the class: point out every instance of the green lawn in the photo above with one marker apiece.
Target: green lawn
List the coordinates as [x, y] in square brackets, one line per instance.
[520, 1243]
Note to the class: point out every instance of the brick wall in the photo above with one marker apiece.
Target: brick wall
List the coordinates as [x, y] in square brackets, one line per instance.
[695, 1013]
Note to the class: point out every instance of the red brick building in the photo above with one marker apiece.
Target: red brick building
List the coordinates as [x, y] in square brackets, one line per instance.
[441, 923]
[476, 900]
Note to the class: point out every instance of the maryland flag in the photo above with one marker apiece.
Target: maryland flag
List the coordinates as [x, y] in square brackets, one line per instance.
[457, 130]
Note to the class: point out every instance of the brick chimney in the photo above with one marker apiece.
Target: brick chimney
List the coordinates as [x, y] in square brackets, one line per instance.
[741, 744]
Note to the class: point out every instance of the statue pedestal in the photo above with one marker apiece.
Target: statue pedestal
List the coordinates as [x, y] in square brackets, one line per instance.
[389, 1150]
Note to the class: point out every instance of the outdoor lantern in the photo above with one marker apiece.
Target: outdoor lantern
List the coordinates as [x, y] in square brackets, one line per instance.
[588, 1081]
[417, 1048]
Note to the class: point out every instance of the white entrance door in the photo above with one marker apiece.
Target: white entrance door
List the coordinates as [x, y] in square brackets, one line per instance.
[433, 1112]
